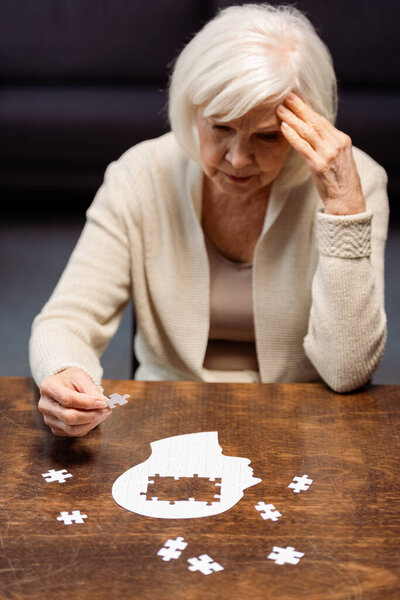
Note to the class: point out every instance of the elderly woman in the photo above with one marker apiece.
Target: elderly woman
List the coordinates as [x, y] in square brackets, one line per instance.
[251, 237]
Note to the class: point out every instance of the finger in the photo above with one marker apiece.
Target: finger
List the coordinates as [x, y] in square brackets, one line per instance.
[69, 416]
[68, 431]
[327, 132]
[63, 429]
[302, 128]
[306, 113]
[298, 143]
[56, 428]
[70, 398]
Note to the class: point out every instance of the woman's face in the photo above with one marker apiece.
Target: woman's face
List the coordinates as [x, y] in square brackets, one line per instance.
[244, 156]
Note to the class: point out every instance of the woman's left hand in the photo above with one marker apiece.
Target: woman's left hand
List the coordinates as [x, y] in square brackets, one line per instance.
[328, 152]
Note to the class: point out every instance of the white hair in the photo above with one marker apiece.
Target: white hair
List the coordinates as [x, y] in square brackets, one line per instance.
[244, 56]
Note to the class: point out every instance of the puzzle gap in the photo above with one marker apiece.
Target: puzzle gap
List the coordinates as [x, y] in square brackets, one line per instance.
[177, 489]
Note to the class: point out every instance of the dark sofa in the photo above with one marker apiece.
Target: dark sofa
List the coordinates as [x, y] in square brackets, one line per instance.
[83, 80]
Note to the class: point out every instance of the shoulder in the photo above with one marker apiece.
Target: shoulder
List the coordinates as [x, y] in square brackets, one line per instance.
[369, 170]
[137, 174]
[162, 171]
[147, 169]
[374, 182]
[158, 153]
[151, 179]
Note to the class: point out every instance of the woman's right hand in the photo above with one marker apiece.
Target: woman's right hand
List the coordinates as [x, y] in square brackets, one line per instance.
[71, 403]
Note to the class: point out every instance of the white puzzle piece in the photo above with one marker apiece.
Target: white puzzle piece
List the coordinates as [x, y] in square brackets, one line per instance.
[172, 549]
[268, 511]
[74, 517]
[116, 399]
[300, 484]
[205, 564]
[60, 476]
[283, 556]
[190, 459]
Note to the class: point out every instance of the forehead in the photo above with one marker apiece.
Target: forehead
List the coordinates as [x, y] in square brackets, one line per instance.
[261, 116]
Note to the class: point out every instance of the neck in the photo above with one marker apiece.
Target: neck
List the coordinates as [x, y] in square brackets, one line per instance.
[234, 222]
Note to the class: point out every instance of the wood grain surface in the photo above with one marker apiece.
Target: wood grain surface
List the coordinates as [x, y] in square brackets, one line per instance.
[347, 524]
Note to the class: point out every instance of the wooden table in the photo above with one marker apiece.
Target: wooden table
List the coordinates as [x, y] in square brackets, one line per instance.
[347, 523]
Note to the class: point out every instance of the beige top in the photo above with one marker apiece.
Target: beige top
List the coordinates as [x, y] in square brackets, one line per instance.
[317, 279]
[231, 344]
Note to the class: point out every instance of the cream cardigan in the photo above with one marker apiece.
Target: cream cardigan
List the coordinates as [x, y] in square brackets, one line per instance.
[317, 279]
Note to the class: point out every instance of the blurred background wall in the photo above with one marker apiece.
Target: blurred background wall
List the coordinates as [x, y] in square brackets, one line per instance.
[83, 80]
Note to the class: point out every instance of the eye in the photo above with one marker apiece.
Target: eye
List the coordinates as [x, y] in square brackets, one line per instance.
[269, 137]
[221, 127]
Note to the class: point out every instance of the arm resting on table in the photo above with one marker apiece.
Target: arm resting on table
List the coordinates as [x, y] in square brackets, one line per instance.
[347, 327]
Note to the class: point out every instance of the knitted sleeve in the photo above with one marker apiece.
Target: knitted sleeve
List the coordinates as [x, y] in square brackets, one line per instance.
[84, 311]
[347, 326]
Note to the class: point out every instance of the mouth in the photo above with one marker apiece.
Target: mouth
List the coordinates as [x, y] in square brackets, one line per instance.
[238, 179]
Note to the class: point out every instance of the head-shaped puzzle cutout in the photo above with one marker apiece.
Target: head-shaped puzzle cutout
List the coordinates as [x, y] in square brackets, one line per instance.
[186, 476]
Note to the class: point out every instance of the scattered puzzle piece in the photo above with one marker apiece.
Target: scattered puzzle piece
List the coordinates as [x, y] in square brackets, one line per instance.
[60, 476]
[177, 489]
[74, 517]
[287, 555]
[205, 564]
[172, 549]
[302, 484]
[268, 511]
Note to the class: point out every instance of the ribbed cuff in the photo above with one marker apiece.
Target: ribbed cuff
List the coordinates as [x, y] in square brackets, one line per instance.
[344, 236]
[77, 365]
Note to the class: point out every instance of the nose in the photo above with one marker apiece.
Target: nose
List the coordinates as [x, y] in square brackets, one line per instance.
[239, 154]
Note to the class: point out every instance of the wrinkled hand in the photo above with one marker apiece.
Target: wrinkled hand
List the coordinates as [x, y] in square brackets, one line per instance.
[328, 152]
[71, 403]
